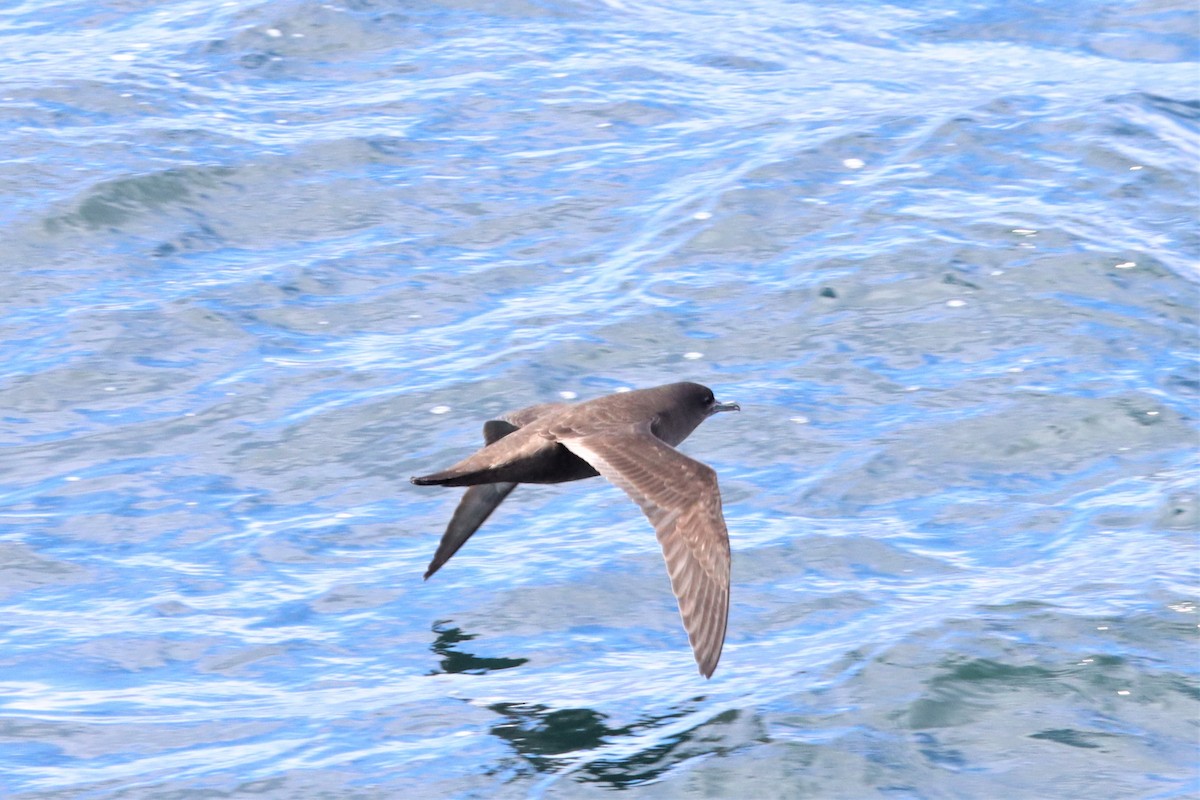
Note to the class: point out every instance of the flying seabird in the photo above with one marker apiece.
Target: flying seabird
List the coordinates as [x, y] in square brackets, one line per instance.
[630, 439]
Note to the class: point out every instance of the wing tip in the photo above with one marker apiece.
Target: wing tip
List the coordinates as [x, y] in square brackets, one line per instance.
[707, 664]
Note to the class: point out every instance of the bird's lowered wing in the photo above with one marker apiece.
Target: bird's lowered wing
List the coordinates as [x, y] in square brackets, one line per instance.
[681, 498]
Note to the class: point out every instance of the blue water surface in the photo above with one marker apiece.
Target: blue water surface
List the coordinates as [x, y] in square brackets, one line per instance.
[265, 261]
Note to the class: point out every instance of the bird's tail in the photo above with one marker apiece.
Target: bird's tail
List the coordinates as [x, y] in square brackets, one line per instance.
[448, 477]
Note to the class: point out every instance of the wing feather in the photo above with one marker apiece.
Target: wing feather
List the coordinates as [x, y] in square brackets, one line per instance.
[680, 497]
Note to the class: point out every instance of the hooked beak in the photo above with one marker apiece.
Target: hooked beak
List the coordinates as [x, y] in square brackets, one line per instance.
[725, 407]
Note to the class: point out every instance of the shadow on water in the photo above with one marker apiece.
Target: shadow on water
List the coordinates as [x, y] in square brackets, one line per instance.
[454, 661]
[543, 737]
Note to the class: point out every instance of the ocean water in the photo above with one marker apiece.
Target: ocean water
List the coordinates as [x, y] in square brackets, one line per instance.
[264, 261]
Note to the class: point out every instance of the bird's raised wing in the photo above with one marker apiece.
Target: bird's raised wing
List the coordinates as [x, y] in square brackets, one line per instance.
[481, 500]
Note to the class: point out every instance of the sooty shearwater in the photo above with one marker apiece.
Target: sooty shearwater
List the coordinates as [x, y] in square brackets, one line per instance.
[630, 439]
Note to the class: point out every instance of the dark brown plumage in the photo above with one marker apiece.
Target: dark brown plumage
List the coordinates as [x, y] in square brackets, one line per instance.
[630, 439]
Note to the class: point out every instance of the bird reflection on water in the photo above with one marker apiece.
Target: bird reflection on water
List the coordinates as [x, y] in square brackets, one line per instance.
[560, 740]
[456, 662]
[553, 740]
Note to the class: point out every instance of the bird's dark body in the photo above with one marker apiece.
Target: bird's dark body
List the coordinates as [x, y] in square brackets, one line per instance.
[539, 458]
[550, 464]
